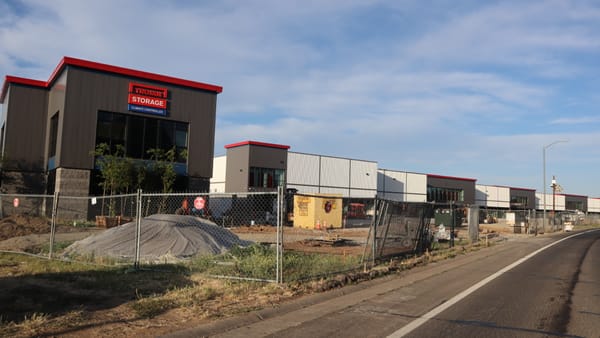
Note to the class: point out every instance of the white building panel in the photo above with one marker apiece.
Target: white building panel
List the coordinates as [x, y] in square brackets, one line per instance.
[363, 175]
[593, 204]
[492, 196]
[217, 181]
[481, 195]
[217, 187]
[335, 172]
[303, 169]
[416, 185]
[361, 193]
[559, 202]
[417, 198]
[402, 186]
[219, 169]
[391, 181]
[503, 197]
[337, 191]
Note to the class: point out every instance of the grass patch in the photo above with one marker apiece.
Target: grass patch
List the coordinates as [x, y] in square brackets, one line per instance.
[151, 307]
[259, 262]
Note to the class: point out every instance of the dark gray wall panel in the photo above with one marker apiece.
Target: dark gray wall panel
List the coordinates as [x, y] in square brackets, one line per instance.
[90, 91]
[237, 169]
[25, 129]
[467, 186]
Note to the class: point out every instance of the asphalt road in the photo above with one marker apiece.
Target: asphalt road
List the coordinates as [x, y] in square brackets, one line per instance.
[508, 290]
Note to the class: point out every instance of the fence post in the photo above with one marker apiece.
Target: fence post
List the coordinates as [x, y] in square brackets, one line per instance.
[279, 240]
[138, 228]
[473, 218]
[53, 223]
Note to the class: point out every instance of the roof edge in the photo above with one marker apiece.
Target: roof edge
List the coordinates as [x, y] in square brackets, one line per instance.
[256, 143]
[452, 178]
[70, 61]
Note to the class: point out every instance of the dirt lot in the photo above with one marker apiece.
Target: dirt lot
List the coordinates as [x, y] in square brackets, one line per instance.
[29, 234]
[330, 241]
[50, 298]
[66, 303]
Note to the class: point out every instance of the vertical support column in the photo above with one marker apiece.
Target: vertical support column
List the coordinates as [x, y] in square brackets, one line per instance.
[279, 240]
[473, 219]
[73, 182]
[138, 228]
[53, 224]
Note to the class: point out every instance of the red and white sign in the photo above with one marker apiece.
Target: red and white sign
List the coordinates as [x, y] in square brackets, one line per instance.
[16, 203]
[199, 203]
[147, 99]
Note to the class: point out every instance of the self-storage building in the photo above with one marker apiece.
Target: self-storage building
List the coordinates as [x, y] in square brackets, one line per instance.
[50, 129]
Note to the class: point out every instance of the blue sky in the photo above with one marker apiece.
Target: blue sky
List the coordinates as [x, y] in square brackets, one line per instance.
[460, 88]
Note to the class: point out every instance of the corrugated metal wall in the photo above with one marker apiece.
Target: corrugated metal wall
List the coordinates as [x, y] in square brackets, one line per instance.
[311, 173]
[303, 169]
[560, 202]
[492, 196]
[217, 182]
[401, 186]
[593, 204]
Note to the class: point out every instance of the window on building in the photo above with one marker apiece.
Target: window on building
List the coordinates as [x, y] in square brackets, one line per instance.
[139, 134]
[265, 177]
[53, 135]
[519, 201]
[442, 195]
[574, 205]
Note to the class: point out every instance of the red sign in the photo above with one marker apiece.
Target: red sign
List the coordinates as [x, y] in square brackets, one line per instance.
[146, 90]
[199, 203]
[147, 99]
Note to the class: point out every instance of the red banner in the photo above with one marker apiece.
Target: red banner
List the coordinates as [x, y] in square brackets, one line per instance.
[147, 101]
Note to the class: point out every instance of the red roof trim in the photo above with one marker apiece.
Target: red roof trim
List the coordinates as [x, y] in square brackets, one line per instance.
[256, 143]
[506, 186]
[19, 80]
[69, 61]
[571, 195]
[451, 178]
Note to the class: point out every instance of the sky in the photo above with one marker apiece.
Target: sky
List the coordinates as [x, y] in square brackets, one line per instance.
[474, 89]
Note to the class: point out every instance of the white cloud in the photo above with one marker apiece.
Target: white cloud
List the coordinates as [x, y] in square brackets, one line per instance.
[466, 89]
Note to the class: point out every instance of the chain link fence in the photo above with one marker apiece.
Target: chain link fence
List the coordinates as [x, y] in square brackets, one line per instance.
[266, 236]
[226, 235]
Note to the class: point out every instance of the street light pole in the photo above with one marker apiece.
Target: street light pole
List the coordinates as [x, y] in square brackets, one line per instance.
[544, 172]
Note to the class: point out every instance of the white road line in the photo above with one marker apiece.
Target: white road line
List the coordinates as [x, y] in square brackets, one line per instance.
[431, 314]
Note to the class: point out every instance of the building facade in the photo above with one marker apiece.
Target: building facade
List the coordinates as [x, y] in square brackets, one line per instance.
[50, 129]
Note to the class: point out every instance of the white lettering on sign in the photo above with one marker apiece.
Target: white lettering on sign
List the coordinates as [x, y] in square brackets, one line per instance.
[147, 101]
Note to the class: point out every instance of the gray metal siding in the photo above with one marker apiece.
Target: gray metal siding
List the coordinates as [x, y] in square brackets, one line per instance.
[56, 104]
[89, 91]
[25, 129]
[238, 163]
[530, 194]
[266, 157]
[467, 186]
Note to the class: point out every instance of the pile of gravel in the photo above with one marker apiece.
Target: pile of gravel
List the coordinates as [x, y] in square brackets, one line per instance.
[163, 237]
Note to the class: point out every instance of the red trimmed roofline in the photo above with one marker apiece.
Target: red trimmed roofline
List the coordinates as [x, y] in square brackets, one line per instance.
[506, 186]
[69, 61]
[571, 195]
[525, 189]
[256, 143]
[451, 178]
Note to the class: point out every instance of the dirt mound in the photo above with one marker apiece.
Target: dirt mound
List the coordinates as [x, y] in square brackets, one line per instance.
[22, 225]
[162, 237]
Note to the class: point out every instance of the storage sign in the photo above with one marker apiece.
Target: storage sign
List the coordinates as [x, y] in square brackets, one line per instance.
[147, 99]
